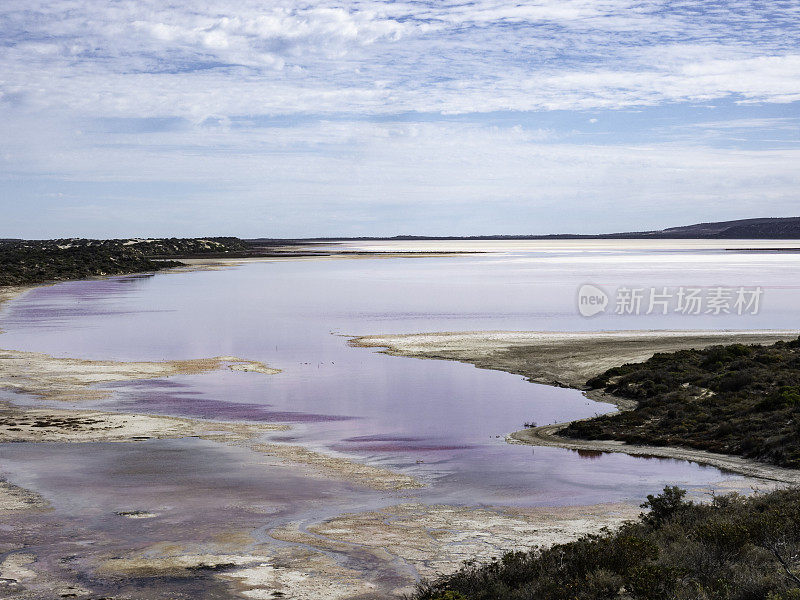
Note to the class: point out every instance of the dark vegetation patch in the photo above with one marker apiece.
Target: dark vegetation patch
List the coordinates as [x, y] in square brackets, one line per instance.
[66, 423]
[735, 548]
[736, 399]
[25, 262]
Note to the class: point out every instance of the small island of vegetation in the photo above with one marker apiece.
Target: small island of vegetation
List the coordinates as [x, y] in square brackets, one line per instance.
[742, 400]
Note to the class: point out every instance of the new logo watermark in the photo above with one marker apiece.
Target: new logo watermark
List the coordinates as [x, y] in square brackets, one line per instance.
[592, 300]
[685, 300]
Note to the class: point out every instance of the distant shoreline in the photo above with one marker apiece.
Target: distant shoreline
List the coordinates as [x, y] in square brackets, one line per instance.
[770, 250]
[764, 228]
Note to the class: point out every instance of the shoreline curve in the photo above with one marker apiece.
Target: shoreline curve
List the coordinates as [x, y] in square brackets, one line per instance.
[569, 359]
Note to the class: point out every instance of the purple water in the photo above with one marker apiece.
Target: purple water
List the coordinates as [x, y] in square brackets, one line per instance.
[442, 421]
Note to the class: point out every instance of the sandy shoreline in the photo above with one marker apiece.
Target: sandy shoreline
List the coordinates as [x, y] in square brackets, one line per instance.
[547, 435]
[564, 359]
[569, 360]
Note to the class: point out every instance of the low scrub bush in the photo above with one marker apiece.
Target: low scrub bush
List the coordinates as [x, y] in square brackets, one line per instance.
[734, 548]
[736, 399]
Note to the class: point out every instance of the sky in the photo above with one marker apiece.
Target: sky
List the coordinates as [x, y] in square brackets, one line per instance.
[298, 119]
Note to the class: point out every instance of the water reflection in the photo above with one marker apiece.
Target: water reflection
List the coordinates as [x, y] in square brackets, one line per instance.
[442, 421]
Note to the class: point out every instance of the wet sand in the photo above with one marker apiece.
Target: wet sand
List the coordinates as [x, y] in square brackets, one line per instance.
[380, 479]
[371, 554]
[557, 358]
[70, 379]
[571, 359]
[547, 435]
[15, 499]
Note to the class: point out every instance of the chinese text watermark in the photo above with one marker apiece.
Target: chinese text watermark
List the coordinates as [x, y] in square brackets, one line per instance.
[684, 300]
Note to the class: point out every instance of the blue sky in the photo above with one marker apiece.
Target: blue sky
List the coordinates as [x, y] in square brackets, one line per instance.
[312, 118]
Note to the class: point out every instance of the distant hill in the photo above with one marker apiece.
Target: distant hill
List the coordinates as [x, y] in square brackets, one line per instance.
[785, 228]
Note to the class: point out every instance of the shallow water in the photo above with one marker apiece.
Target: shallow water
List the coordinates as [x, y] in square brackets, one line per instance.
[439, 420]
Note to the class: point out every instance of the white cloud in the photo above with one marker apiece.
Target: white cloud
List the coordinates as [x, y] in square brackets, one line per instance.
[455, 161]
[320, 171]
[766, 124]
[330, 69]
[224, 58]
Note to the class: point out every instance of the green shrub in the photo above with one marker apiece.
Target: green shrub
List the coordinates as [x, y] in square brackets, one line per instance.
[734, 548]
[737, 399]
[450, 595]
[664, 506]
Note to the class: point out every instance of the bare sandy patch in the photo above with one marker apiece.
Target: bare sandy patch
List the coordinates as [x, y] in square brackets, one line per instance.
[20, 579]
[438, 538]
[341, 468]
[76, 426]
[300, 574]
[412, 540]
[374, 554]
[264, 571]
[137, 514]
[16, 566]
[16, 499]
[69, 379]
[73, 379]
[164, 560]
[85, 426]
[567, 359]
[9, 292]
